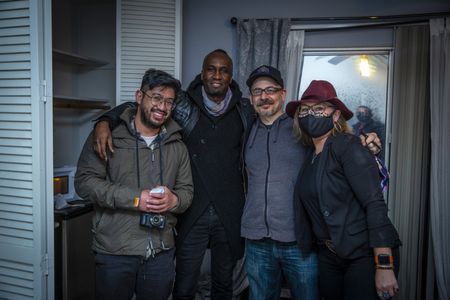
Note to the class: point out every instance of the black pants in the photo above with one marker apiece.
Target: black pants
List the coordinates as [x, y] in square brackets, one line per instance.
[344, 279]
[189, 256]
[118, 277]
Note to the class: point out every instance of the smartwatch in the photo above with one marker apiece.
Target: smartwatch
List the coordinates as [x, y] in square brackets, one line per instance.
[384, 261]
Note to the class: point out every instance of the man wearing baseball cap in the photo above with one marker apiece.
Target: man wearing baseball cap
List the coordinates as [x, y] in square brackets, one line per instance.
[273, 159]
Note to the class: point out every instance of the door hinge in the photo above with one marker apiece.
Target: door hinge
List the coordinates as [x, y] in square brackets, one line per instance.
[44, 94]
[44, 264]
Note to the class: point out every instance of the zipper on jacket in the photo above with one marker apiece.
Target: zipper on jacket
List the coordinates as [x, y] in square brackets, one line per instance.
[152, 149]
[266, 183]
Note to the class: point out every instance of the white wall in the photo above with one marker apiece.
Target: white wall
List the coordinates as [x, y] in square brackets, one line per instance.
[206, 23]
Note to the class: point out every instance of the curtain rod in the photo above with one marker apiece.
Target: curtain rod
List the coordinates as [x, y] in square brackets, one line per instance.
[401, 18]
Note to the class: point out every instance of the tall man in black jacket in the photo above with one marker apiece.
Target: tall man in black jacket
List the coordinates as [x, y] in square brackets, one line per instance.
[215, 121]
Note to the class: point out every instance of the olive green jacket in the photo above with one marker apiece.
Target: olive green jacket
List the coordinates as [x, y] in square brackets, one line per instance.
[112, 186]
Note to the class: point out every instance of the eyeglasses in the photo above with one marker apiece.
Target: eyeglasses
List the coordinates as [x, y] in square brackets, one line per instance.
[317, 110]
[157, 99]
[270, 90]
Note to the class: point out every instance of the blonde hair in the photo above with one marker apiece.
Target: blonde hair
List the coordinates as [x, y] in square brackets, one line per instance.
[340, 126]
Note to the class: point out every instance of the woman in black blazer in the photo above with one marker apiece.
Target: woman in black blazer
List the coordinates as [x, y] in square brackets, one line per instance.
[339, 199]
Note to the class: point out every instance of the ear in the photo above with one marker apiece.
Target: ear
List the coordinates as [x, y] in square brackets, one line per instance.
[138, 96]
[336, 115]
[283, 95]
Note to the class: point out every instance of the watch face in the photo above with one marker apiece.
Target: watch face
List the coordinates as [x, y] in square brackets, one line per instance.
[384, 259]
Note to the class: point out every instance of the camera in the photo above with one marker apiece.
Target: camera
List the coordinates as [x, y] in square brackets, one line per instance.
[153, 220]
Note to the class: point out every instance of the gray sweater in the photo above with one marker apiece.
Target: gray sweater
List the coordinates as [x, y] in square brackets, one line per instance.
[273, 158]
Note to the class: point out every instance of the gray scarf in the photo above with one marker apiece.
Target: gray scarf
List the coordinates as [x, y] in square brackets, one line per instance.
[214, 108]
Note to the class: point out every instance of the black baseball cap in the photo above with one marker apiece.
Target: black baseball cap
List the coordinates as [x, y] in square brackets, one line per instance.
[265, 71]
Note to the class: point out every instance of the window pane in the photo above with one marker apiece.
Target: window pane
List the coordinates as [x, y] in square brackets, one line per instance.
[366, 94]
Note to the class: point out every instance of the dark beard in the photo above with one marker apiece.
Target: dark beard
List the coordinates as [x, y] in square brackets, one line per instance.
[147, 122]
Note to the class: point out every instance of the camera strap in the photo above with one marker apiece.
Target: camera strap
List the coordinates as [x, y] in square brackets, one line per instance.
[150, 248]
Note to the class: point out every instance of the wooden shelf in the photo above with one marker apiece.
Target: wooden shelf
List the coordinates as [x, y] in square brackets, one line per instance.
[60, 101]
[76, 59]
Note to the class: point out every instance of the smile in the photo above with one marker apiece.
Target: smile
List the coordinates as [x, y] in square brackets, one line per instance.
[158, 114]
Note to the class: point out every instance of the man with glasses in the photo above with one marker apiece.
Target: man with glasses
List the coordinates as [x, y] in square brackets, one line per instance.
[137, 194]
[273, 159]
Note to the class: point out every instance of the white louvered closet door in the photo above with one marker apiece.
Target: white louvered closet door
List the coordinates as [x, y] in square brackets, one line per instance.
[26, 211]
[148, 36]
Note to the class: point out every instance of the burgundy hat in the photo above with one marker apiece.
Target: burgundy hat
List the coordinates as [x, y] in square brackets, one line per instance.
[319, 91]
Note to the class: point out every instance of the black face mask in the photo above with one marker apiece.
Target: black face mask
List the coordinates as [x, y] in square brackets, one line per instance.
[316, 126]
[363, 118]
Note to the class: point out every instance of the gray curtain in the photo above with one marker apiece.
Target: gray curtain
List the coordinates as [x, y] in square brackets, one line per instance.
[294, 57]
[410, 154]
[440, 151]
[260, 42]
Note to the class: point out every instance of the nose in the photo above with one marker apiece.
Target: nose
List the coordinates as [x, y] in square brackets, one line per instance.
[217, 74]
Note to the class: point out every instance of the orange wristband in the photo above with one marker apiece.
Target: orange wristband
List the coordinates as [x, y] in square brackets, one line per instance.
[136, 201]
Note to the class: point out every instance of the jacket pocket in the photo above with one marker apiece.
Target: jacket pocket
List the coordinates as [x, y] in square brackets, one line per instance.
[357, 227]
[97, 220]
[102, 223]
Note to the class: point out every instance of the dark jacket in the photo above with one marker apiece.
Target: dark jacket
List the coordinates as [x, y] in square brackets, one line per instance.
[350, 199]
[113, 185]
[216, 148]
[187, 113]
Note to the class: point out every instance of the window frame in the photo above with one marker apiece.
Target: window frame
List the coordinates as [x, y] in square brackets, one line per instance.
[389, 51]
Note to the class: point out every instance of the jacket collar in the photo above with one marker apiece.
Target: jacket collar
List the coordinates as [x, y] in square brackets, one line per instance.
[275, 128]
[172, 129]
